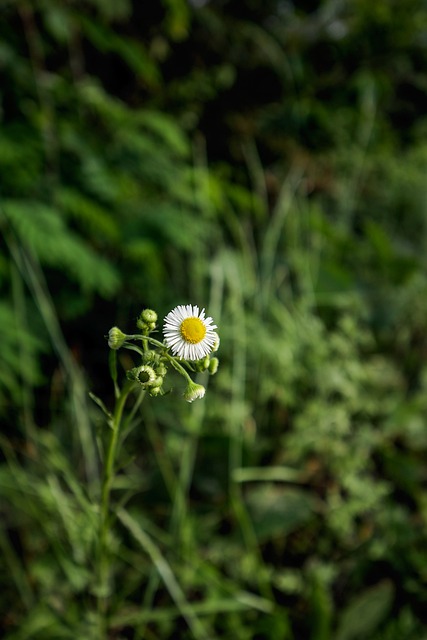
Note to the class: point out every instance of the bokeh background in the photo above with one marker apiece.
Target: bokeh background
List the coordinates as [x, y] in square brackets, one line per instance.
[267, 161]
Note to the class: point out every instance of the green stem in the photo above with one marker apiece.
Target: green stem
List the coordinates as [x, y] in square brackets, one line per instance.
[112, 360]
[153, 341]
[104, 519]
[178, 367]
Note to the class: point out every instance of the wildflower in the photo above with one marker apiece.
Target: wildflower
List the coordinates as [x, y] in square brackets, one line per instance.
[116, 338]
[194, 391]
[188, 333]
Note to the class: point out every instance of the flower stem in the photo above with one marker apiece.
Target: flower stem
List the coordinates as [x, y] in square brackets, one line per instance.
[178, 367]
[104, 516]
[149, 339]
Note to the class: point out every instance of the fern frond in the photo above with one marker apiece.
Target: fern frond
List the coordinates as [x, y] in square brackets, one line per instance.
[90, 215]
[41, 229]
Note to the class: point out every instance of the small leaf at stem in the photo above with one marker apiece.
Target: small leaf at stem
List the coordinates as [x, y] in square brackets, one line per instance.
[100, 404]
[112, 361]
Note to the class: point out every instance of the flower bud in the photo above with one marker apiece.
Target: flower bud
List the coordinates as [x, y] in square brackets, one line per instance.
[161, 370]
[145, 327]
[147, 321]
[150, 357]
[194, 391]
[132, 374]
[155, 391]
[149, 316]
[157, 382]
[213, 366]
[116, 338]
[145, 375]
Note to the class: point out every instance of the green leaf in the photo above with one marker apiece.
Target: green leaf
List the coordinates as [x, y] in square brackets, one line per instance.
[366, 612]
[101, 405]
[277, 511]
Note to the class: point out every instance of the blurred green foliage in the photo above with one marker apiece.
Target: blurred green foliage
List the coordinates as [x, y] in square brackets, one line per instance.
[267, 161]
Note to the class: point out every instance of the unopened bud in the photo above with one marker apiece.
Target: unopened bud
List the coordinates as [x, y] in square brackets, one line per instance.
[194, 391]
[161, 370]
[147, 321]
[157, 382]
[149, 316]
[116, 338]
[150, 357]
[155, 391]
[213, 366]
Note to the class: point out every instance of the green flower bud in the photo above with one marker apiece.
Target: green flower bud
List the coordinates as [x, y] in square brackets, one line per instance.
[149, 316]
[145, 375]
[161, 370]
[116, 338]
[202, 364]
[157, 382]
[145, 327]
[132, 374]
[213, 366]
[155, 391]
[150, 357]
[194, 391]
[147, 321]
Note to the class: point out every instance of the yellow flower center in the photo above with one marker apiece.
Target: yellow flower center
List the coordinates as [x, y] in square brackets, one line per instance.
[193, 330]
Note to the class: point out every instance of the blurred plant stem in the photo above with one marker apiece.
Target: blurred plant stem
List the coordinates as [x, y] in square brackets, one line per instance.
[103, 566]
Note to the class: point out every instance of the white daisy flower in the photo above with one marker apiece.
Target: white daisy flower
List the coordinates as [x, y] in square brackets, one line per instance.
[188, 333]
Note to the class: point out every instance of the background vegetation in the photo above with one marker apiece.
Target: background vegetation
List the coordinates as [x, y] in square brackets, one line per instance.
[266, 160]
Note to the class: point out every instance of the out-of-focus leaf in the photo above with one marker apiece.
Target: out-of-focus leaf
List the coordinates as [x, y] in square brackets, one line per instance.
[365, 613]
[277, 511]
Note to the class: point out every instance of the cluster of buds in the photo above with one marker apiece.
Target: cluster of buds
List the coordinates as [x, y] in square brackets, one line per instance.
[147, 321]
[188, 334]
[207, 364]
[151, 373]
